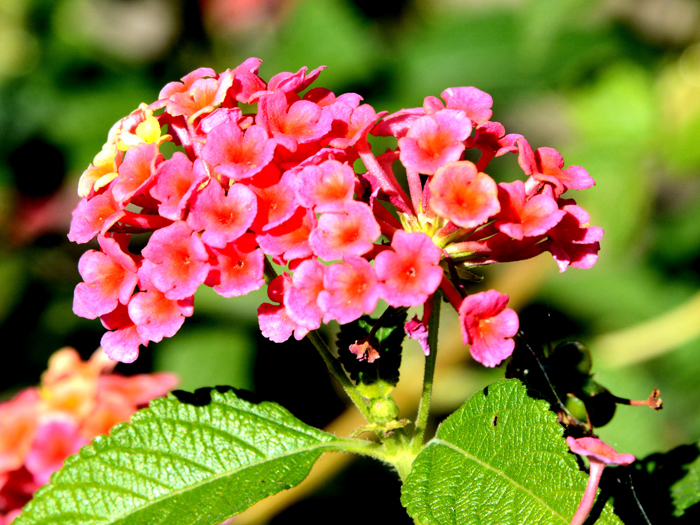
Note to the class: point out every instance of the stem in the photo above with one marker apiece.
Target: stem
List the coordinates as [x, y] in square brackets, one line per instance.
[428, 375]
[269, 272]
[337, 370]
[415, 188]
[389, 185]
[584, 508]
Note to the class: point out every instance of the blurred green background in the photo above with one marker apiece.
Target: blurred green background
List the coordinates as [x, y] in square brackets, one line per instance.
[613, 84]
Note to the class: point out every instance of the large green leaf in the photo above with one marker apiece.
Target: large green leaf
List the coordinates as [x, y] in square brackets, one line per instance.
[499, 459]
[188, 459]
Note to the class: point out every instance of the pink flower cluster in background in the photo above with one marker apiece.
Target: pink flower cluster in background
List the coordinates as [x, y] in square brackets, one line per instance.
[297, 183]
[76, 401]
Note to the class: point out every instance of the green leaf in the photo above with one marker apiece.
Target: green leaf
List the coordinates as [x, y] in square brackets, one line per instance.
[188, 459]
[686, 492]
[499, 459]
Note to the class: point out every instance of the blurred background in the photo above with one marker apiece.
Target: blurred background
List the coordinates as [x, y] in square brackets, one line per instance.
[613, 84]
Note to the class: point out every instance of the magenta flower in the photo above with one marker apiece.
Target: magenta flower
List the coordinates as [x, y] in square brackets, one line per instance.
[487, 325]
[599, 454]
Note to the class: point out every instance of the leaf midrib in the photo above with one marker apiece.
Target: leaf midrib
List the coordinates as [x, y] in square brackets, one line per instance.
[438, 441]
[330, 445]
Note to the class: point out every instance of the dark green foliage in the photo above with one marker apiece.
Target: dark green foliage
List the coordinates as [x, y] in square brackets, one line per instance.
[386, 339]
[661, 488]
[562, 373]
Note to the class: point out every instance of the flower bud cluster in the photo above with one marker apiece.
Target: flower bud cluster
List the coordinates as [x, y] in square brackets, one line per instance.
[76, 401]
[281, 185]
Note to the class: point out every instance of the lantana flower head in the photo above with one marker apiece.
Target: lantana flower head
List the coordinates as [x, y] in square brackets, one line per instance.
[76, 401]
[284, 184]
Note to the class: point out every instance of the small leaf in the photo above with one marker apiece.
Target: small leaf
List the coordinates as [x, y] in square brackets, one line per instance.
[188, 459]
[499, 459]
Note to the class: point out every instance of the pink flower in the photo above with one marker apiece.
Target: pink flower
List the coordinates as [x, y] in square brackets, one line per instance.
[289, 240]
[488, 326]
[93, 216]
[110, 277]
[294, 82]
[474, 102]
[224, 216]
[301, 298]
[122, 341]
[136, 172]
[572, 241]
[276, 203]
[79, 400]
[462, 195]
[180, 261]
[350, 233]
[434, 140]
[238, 268]
[350, 289]
[290, 125]
[275, 323]
[545, 165]
[285, 184]
[521, 217]
[153, 312]
[326, 187]
[599, 454]
[199, 97]
[237, 154]
[175, 182]
[54, 441]
[410, 271]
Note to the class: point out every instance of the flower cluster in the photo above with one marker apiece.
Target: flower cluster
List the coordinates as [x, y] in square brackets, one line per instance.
[281, 185]
[76, 401]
